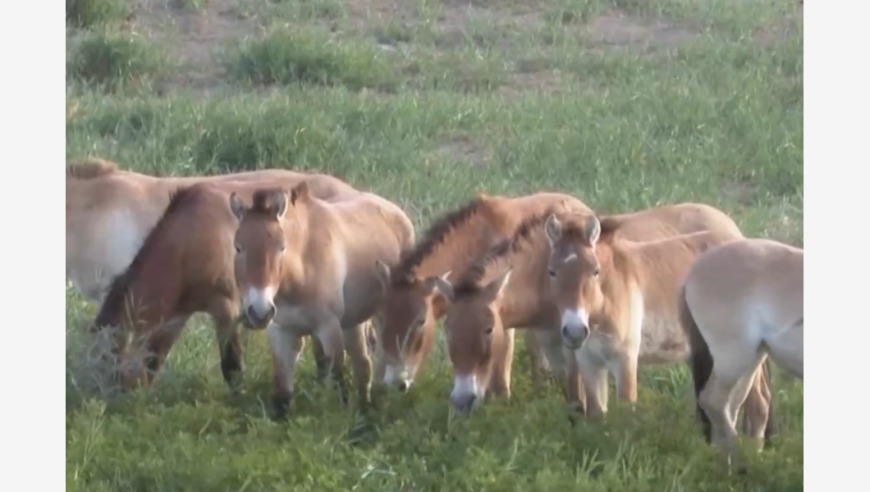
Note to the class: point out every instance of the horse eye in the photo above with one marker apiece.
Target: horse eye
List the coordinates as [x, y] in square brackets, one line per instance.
[597, 271]
[488, 331]
[238, 249]
[552, 273]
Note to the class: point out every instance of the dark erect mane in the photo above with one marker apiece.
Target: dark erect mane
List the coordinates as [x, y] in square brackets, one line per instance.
[114, 300]
[470, 282]
[405, 272]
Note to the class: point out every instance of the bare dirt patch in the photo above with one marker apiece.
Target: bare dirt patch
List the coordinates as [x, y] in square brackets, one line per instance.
[192, 37]
[619, 28]
[463, 148]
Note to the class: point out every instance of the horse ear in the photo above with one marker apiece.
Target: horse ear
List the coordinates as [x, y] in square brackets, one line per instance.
[237, 206]
[593, 229]
[553, 228]
[496, 287]
[445, 287]
[299, 193]
[431, 282]
[282, 205]
[383, 272]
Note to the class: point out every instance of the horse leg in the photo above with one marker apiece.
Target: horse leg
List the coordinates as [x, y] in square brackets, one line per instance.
[574, 384]
[714, 400]
[377, 349]
[321, 361]
[594, 374]
[537, 360]
[158, 345]
[739, 396]
[285, 345]
[757, 406]
[331, 336]
[358, 349]
[500, 381]
[224, 316]
[725, 391]
[626, 377]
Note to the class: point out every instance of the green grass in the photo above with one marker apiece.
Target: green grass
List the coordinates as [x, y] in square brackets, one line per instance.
[87, 13]
[110, 59]
[704, 103]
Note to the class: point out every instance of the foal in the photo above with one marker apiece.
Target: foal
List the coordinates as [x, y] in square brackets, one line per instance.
[617, 302]
[184, 266]
[740, 303]
[306, 266]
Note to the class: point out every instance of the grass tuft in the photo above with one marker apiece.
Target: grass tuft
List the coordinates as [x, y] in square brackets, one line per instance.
[308, 56]
[87, 13]
[112, 59]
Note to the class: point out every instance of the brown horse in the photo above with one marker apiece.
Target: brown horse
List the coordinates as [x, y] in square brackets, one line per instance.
[110, 212]
[740, 303]
[306, 266]
[617, 300]
[412, 305]
[486, 306]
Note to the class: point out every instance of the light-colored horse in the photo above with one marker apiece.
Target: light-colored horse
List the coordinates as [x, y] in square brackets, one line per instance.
[509, 287]
[306, 266]
[110, 212]
[741, 303]
[412, 305]
[617, 300]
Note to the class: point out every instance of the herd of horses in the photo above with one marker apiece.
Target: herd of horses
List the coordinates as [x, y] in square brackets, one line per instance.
[307, 255]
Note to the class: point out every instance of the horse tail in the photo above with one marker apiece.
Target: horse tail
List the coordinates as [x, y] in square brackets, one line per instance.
[700, 359]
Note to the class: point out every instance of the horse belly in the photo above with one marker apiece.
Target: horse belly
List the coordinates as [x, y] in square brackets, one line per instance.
[662, 342]
[105, 248]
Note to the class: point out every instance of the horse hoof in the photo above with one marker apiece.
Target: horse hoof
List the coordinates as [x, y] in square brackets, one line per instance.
[281, 404]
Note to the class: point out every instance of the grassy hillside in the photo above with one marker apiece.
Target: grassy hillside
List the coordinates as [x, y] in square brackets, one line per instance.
[624, 103]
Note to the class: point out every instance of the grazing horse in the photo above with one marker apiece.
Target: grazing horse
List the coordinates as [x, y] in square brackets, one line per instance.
[110, 212]
[412, 305]
[306, 266]
[617, 300]
[486, 306]
[740, 303]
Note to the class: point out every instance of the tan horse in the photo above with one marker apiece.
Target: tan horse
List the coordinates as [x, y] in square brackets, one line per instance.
[617, 302]
[110, 212]
[309, 266]
[740, 303]
[412, 305]
[486, 306]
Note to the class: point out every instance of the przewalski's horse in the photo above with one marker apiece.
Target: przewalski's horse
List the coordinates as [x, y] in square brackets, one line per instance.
[306, 266]
[110, 212]
[739, 304]
[617, 300]
[412, 305]
[486, 306]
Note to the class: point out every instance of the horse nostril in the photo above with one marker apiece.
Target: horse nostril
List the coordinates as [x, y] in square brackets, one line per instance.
[565, 331]
[272, 311]
[251, 313]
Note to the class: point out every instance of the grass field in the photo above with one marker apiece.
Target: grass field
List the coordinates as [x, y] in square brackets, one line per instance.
[623, 103]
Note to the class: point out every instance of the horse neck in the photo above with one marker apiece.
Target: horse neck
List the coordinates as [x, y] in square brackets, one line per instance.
[523, 301]
[151, 295]
[459, 247]
[653, 267]
[312, 239]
